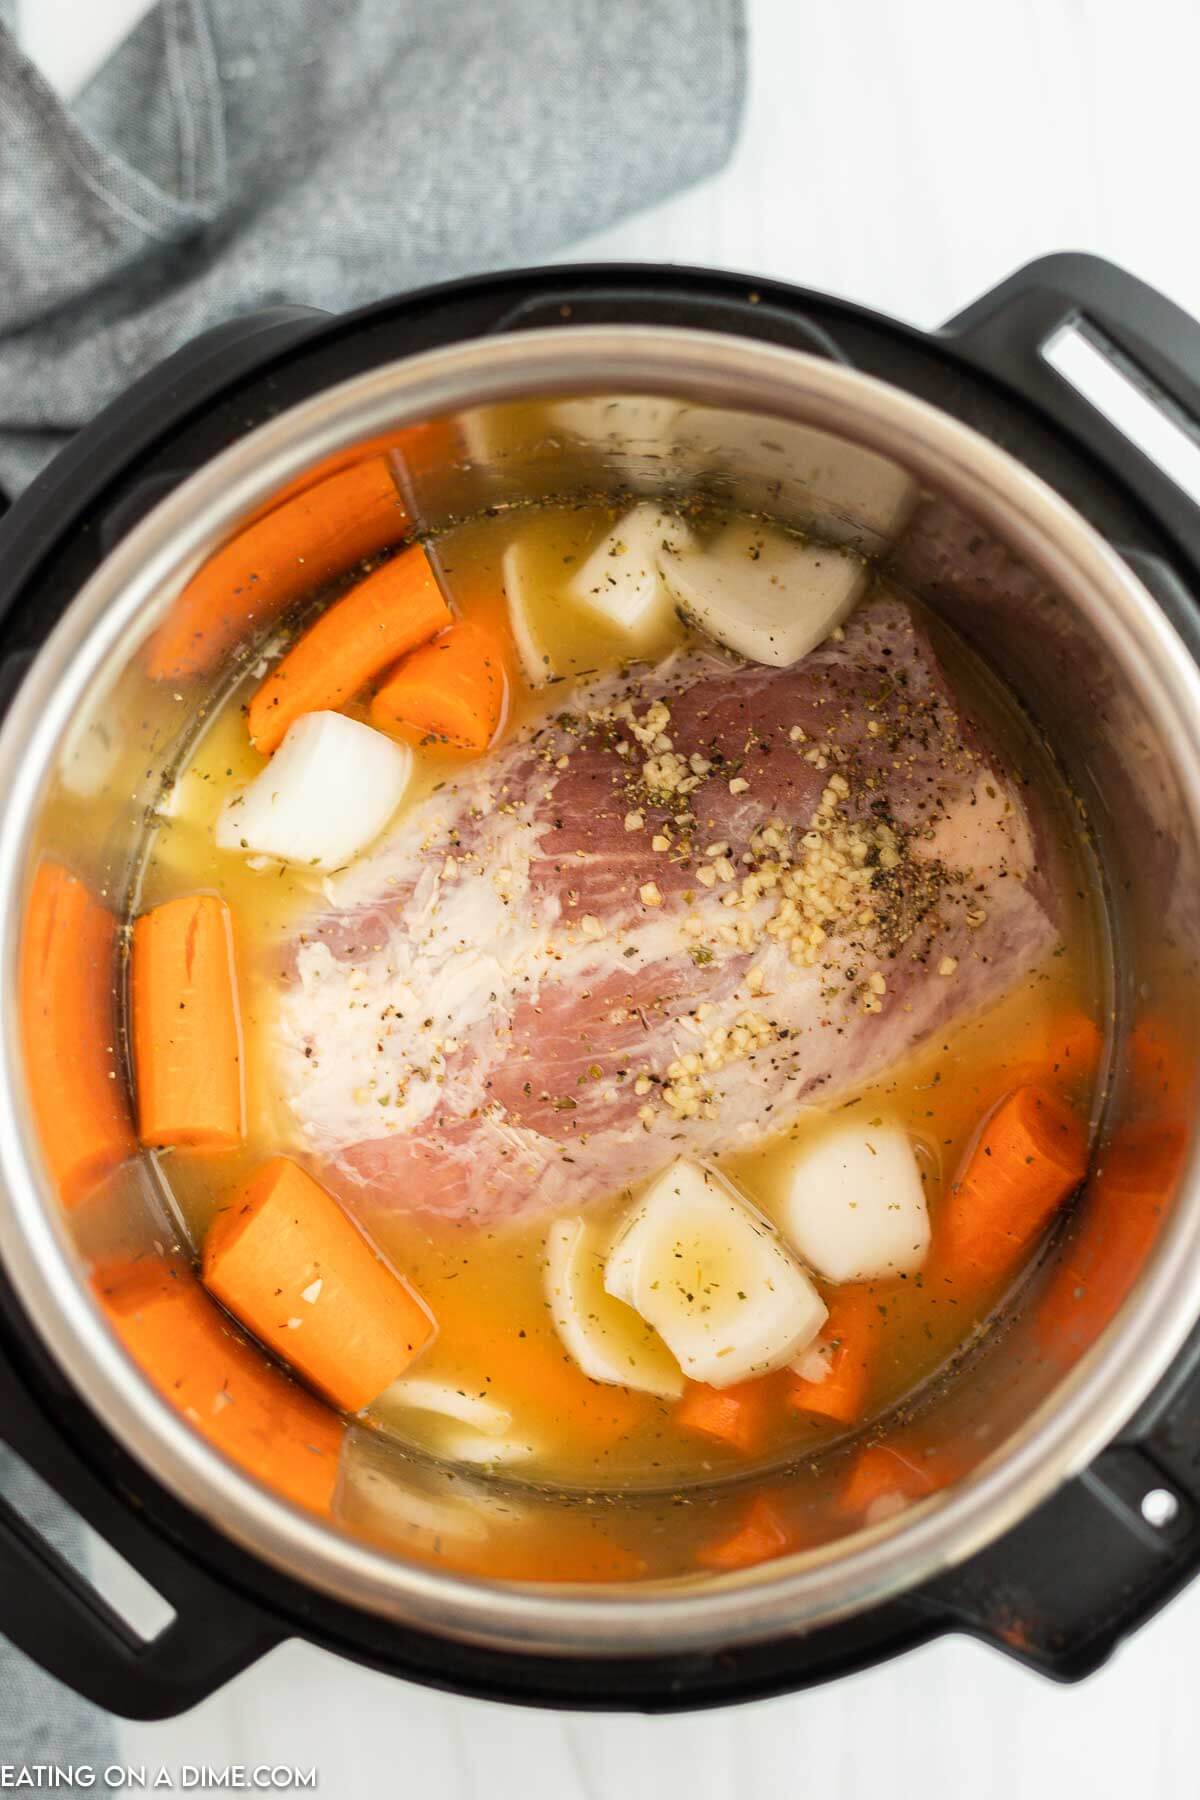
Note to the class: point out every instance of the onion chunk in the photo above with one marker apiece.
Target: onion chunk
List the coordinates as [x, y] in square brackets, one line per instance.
[712, 1278]
[519, 576]
[604, 1336]
[329, 789]
[621, 581]
[853, 1203]
[765, 595]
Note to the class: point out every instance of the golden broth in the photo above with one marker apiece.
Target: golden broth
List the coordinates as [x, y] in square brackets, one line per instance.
[486, 1286]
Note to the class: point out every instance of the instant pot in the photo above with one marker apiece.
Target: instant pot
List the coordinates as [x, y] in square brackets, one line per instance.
[968, 466]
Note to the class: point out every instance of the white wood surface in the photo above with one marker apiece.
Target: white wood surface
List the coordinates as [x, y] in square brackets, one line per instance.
[907, 154]
[954, 1721]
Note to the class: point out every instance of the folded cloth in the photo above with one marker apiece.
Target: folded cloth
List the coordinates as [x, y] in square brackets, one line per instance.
[234, 155]
[43, 1724]
[330, 152]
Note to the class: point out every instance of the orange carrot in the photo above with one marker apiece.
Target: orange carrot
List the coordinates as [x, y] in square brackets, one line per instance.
[370, 450]
[286, 1261]
[1068, 1047]
[1127, 1196]
[453, 691]
[879, 1473]
[1029, 1156]
[389, 613]
[308, 539]
[186, 1035]
[763, 1534]
[421, 455]
[529, 1371]
[848, 1343]
[737, 1416]
[1118, 1220]
[1161, 1067]
[69, 1034]
[414, 451]
[198, 1360]
[567, 1549]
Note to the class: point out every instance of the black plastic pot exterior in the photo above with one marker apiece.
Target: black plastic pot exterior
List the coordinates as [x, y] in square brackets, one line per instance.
[1060, 1614]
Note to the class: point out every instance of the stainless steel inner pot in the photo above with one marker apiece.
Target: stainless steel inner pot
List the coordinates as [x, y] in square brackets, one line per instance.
[1019, 574]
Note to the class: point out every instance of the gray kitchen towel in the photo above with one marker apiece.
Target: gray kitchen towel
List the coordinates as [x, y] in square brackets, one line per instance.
[234, 155]
[237, 153]
[44, 1725]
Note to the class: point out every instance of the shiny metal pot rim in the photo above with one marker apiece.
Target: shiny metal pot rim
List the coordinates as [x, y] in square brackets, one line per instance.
[791, 1596]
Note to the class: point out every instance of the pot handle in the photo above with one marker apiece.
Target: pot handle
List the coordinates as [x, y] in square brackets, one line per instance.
[671, 302]
[55, 1616]
[1101, 1556]
[58, 500]
[1149, 340]
[1084, 1571]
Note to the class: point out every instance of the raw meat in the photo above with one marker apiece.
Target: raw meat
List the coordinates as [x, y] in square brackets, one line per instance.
[692, 900]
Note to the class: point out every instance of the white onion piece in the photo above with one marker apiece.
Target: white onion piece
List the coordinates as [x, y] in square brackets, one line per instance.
[605, 1337]
[519, 576]
[816, 1363]
[764, 594]
[713, 1279]
[474, 1447]
[630, 422]
[329, 789]
[621, 581]
[408, 1514]
[853, 1203]
[90, 754]
[425, 1393]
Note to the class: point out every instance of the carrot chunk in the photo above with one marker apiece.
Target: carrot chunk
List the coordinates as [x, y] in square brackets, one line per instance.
[569, 1550]
[1113, 1233]
[69, 1033]
[1067, 1046]
[1129, 1193]
[201, 1364]
[387, 614]
[879, 1474]
[453, 691]
[186, 1034]
[1162, 1067]
[1030, 1155]
[763, 1533]
[848, 1344]
[319, 533]
[737, 1416]
[530, 1372]
[286, 1261]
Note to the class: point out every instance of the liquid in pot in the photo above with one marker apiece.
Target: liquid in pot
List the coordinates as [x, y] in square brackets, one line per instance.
[706, 1051]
